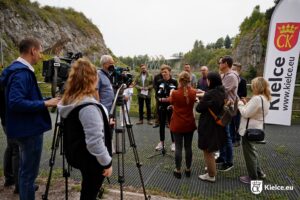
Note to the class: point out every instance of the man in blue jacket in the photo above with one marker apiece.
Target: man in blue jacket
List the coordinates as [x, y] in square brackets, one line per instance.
[26, 114]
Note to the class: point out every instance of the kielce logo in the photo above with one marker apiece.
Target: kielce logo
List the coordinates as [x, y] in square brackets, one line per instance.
[256, 186]
[286, 35]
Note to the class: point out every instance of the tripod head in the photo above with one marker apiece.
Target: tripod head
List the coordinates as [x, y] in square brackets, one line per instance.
[119, 99]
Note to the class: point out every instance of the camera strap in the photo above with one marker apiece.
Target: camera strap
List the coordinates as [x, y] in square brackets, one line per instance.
[107, 75]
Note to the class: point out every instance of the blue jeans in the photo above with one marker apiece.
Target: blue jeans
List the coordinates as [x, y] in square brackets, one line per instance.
[30, 156]
[226, 153]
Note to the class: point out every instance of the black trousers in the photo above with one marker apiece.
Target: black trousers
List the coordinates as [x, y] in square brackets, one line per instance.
[92, 178]
[187, 139]
[141, 101]
[11, 162]
[164, 116]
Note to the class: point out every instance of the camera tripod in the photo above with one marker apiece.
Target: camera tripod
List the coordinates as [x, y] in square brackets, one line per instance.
[163, 151]
[120, 141]
[56, 141]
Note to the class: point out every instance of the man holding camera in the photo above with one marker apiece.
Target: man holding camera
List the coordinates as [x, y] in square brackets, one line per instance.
[163, 88]
[143, 84]
[27, 116]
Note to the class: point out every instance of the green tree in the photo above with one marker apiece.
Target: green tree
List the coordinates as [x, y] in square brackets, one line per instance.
[196, 44]
[227, 42]
[219, 43]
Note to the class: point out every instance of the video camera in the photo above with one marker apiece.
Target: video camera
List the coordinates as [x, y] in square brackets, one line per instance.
[164, 90]
[56, 70]
[120, 75]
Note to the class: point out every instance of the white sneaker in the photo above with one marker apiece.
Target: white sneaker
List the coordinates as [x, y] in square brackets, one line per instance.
[173, 147]
[206, 177]
[217, 154]
[159, 147]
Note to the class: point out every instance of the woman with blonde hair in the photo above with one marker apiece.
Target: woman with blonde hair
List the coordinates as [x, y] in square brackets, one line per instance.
[253, 114]
[87, 139]
[183, 122]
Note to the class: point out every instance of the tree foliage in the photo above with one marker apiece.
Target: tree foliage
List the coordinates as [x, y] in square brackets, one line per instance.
[227, 42]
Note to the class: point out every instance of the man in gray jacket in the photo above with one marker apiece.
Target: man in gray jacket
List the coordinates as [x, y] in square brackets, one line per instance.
[230, 80]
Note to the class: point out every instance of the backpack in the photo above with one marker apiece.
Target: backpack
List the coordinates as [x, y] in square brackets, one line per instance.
[74, 139]
[228, 112]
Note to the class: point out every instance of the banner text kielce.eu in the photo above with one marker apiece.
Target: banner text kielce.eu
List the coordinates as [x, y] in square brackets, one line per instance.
[281, 81]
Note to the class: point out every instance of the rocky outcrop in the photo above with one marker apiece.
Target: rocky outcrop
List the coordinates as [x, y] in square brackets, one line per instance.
[250, 51]
[61, 35]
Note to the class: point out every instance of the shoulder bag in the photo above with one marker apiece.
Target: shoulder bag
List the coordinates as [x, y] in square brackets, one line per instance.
[254, 134]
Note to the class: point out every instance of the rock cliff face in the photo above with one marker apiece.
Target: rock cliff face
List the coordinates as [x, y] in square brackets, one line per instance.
[60, 30]
[250, 51]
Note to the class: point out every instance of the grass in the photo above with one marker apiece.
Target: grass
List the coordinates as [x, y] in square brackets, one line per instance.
[281, 149]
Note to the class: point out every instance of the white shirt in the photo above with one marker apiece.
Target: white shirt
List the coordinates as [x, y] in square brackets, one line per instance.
[143, 79]
[253, 110]
[23, 61]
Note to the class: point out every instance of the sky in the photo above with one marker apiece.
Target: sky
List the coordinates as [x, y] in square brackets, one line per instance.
[162, 27]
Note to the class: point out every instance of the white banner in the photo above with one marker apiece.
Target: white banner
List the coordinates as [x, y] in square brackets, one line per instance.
[282, 60]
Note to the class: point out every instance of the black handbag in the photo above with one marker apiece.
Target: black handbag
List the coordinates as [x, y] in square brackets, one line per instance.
[254, 134]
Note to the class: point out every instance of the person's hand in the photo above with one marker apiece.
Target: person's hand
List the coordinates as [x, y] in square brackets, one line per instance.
[229, 103]
[171, 91]
[126, 98]
[199, 91]
[52, 102]
[107, 172]
[170, 107]
[163, 99]
[112, 122]
[244, 100]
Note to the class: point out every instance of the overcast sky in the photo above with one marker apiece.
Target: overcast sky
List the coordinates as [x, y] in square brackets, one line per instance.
[162, 27]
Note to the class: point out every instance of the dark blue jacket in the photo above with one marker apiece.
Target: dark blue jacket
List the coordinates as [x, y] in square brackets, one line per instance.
[26, 113]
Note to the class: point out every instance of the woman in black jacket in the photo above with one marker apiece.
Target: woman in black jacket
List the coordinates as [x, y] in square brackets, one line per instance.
[211, 136]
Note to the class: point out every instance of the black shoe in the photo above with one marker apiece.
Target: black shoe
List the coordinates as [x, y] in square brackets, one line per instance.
[8, 183]
[177, 174]
[225, 167]
[187, 173]
[156, 125]
[219, 161]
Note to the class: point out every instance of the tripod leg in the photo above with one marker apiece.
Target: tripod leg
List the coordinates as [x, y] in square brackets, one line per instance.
[66, 168]
[133, 145]
[54, 147]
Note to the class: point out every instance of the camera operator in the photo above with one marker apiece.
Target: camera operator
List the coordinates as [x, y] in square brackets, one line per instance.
[106, 91]
[87, 137]
[163, 88]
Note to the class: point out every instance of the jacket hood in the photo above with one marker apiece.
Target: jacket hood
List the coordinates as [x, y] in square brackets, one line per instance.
[64, 110]
[15, 66]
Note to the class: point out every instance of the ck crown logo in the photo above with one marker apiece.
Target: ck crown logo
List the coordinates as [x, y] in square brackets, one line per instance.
[286, 35]
[256, 186]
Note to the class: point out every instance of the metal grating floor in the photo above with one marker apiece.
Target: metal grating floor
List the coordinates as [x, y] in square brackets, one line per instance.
[280, 159]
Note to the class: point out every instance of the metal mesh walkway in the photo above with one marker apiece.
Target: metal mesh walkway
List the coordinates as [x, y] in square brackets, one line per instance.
[280, 160]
